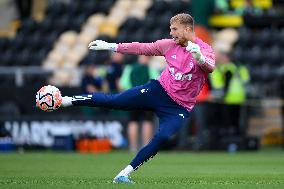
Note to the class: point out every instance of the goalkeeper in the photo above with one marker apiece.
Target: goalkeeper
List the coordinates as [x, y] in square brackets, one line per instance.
[171, 97]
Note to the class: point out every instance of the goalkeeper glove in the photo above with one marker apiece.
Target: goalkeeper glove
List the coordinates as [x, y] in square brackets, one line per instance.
[194, 49]
[102, 45]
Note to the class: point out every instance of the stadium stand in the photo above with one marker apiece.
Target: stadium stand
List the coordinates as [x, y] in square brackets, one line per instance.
[52, 50]
[67, 28]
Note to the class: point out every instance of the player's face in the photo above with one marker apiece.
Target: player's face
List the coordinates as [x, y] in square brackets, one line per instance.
[180, 33]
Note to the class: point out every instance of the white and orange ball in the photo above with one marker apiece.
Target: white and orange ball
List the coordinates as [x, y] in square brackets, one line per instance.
[48, 98]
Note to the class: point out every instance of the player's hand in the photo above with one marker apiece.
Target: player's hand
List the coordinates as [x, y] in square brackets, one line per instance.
[102, 45]
[194, 49]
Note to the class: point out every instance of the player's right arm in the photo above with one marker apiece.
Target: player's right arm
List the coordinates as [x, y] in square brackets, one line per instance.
[157, 48]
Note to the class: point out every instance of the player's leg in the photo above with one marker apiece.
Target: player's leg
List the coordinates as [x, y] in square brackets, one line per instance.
[135, 98]
[167, 128]
[171, 118]
[169, 125]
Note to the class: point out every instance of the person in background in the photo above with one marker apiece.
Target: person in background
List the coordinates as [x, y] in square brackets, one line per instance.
[91, 83]
[228, 83]
[114, 71]
[133, 75]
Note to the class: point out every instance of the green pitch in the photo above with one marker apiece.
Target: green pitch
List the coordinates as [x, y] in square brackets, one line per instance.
[264, 169]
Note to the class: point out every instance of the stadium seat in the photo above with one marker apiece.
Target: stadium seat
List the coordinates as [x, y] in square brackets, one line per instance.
[19, 42]
[7, 80]
[54, 10]
[179, 6]
[237, 54]
[155, 35]
[263, 73]
[273, 55]
[35, 41]
[68, 38]
[131, 25]
[254, 56]
[89, 7]
[28, 27]
[7, 58]
[104, 6]
[95, 20]
[245, 37]
[163, 21]
[159, 7]
[74, 9]
[150, 22]
[139, 35]
[274, 36]
[25, 57]
[144, 4]
[108, 28]
[122, 37]
[4, 42]
[62, 23]
[280, 37]
[39, 79]
[45, 25]
[263, 37]
[77, 22]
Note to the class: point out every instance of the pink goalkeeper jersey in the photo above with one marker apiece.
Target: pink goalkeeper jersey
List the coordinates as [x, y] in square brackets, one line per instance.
[183, 78]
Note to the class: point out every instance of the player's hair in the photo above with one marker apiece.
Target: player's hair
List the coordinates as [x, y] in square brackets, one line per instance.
[184, 19]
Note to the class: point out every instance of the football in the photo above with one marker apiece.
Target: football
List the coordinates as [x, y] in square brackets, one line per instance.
[48, 98]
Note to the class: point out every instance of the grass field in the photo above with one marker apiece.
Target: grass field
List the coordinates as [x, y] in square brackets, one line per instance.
[264, 169]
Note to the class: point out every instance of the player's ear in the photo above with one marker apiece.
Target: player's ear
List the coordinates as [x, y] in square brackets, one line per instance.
[188, 29]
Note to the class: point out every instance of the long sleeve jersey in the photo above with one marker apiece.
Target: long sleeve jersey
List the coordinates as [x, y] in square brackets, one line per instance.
[183, 77]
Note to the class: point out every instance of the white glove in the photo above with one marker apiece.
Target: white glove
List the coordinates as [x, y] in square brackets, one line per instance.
[102, 45]
[194, 49]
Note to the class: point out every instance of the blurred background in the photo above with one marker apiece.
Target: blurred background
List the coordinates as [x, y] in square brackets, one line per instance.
[45, 42]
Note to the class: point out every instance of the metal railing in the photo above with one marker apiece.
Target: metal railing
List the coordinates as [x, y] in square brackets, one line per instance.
[19, 72]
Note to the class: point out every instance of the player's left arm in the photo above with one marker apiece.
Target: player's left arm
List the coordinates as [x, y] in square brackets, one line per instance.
[205, 56]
